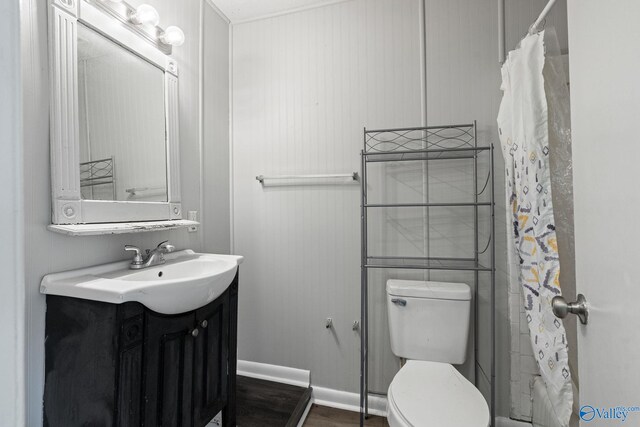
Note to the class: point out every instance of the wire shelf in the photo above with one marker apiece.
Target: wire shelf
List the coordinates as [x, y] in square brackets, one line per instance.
[417, 139]
[427, 205]
[425, 263]
[429, 143]
[427, 154]
[96, 172]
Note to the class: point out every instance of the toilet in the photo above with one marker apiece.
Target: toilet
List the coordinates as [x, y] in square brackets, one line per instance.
[429, 326]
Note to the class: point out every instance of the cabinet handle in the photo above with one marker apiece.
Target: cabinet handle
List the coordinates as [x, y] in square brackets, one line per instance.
[204, 323]
[195, 332]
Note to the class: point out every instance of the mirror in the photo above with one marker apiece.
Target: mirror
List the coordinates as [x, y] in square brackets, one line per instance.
[115, 140]
[121, 117]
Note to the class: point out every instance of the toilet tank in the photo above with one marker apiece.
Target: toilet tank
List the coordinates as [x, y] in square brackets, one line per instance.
[429, 320]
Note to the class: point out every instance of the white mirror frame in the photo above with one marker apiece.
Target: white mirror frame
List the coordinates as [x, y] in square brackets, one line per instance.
[67, 205]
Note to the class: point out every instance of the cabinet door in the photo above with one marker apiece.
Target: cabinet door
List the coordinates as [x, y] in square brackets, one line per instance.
[168, 373]
[130, 363]
[229, 415]
[211, 357]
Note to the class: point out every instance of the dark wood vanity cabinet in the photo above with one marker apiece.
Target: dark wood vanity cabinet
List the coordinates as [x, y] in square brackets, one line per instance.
[123, 365]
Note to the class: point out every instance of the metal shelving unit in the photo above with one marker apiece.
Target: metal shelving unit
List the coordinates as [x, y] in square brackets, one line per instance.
[426, 144]
[98, 172]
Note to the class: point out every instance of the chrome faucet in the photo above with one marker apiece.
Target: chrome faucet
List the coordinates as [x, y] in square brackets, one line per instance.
[152, 256]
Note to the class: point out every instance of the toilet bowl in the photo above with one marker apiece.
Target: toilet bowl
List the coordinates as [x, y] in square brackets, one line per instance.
[425, 394]
[429, 326]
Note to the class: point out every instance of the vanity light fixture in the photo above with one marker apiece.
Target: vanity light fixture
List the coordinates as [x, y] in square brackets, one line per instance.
[173, 36]
[145, 14]
[143, 20]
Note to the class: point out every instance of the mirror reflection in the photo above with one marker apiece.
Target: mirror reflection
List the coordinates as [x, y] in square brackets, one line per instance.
[122, 122]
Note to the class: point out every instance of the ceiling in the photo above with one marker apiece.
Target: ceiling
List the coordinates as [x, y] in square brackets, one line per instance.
[246, 10]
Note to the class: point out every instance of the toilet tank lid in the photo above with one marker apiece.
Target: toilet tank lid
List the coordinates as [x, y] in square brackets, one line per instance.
[427, 289]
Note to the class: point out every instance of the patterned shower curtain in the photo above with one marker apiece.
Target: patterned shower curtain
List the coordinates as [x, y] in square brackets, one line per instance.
[524, 128]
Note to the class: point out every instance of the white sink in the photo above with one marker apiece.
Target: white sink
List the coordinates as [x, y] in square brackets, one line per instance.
[187, 281]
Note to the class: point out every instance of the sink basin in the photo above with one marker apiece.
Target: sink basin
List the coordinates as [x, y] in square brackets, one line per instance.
[187, 281]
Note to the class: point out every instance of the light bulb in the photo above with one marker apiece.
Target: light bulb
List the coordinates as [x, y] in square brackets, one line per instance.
[145, 15]
[173, 36]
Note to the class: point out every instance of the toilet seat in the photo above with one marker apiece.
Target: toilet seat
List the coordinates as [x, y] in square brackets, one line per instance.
[425, 394]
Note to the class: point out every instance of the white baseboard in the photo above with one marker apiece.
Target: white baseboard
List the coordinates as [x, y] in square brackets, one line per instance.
[321, 395]
[324, 396]
[305, 414]
[508, 422]
[348, 401]
[278, 374]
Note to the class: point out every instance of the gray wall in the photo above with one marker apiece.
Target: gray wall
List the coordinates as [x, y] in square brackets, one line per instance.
[359, 63]
[48, 252]
[12, 366]
[215, 211]
[304, 85]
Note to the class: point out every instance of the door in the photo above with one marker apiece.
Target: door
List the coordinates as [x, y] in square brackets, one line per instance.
[605, 112]
[168, 373]
[210, 360]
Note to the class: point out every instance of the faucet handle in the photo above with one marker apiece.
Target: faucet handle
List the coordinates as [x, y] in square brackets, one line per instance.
[165, 247]
[137, 258]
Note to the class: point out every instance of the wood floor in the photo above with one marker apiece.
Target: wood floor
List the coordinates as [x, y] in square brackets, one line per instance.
[263, 403]
[322, 416]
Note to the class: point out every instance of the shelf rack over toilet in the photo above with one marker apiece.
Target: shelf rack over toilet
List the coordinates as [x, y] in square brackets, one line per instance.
[426, 144]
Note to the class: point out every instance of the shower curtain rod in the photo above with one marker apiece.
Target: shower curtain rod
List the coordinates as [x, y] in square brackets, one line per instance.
[501, 25]
[543, 15]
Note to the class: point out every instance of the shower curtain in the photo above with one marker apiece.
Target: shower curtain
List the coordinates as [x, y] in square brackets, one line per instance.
[525, 125]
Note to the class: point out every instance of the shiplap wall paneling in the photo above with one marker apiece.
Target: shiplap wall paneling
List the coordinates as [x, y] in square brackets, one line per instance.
[215, 215]
[304, 86]
[463, 84]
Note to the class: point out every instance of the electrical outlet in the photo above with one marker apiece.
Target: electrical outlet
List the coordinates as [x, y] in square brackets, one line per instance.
[192, 216]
